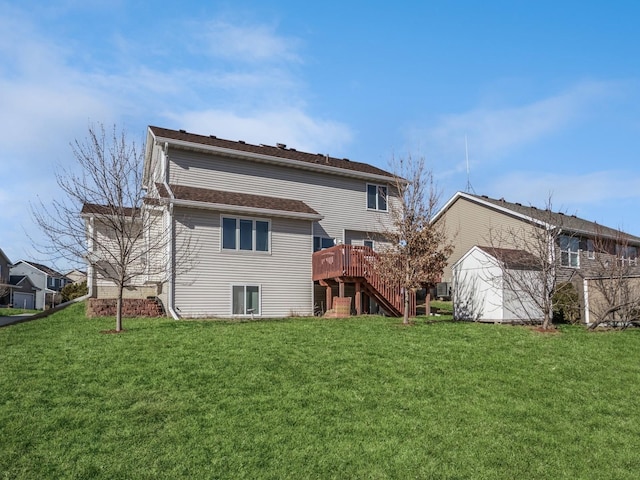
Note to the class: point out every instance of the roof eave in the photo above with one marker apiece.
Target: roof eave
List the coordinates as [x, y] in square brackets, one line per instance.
[266, 212]
[276, 160]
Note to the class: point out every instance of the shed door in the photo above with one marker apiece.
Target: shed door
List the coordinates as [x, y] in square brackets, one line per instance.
[24, 300]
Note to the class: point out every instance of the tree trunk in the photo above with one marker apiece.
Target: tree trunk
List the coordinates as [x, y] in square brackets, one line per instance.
[119, 309]
[405, 319]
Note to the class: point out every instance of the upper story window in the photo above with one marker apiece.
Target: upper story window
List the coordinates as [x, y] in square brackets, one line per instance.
[569, 251]
[591, 249]
[627, 254]
[377, 197]
[369, 243]
[320, 243]
[245, 234]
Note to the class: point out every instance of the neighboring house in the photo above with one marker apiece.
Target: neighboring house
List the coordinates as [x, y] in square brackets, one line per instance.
[23, 292]
[76, 276]
[482, 293]
[5, 285]
[477, 220]
[257, 214]
[47, 281]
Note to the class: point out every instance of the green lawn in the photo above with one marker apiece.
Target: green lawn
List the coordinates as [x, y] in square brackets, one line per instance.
[7, 312]
[315, 398]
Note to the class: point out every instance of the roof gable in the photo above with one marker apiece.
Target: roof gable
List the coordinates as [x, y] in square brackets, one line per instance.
[542, 217]
[43, 268]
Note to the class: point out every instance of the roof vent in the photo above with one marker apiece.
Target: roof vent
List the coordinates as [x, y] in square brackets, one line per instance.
[345, 159]
[519, 204]
[183, 131]
[281, 145]
[241, 141]
[293, 149]
[484, 196]
[212, 136]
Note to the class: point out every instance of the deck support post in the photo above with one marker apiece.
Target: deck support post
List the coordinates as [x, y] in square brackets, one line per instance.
[358, 299]
[328, 294]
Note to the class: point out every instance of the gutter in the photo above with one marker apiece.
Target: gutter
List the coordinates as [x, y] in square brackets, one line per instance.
[171, 280]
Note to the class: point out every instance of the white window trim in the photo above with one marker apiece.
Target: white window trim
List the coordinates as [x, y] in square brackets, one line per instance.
[245, 285]
[569, 253]
[366, 198]
[237, 218]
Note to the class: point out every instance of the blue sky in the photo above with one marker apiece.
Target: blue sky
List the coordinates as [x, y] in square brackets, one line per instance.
[546, 92]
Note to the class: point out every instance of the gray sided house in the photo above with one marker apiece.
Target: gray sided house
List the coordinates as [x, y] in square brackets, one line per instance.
[582, 247]
[254, 216]
[46, 281]
[5, 285]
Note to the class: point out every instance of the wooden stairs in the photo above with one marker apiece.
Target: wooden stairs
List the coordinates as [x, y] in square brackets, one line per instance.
[345, 264]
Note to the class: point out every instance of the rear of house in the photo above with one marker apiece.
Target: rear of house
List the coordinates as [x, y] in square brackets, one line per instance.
[252, 216]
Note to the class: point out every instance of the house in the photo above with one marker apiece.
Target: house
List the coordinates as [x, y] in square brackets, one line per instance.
[256, 214]
[5, 286]
[46, 281]
[483, 290]
[582, 246]
[76, 276]
[23, 292]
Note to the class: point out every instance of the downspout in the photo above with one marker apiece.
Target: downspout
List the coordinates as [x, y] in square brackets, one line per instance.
[171, 280]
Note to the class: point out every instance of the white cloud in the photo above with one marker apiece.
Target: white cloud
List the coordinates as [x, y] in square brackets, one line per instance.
[494, 133]
[291, 126]
[567, 190]
[248, 43]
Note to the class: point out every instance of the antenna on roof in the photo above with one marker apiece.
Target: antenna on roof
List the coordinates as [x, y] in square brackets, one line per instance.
[469, 188]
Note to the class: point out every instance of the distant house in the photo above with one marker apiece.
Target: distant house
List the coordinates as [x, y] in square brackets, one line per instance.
[257, 213]
[475, 220]
[23, 292]
[5, 286]
[76, 276]
[47, 281]
[482, 293]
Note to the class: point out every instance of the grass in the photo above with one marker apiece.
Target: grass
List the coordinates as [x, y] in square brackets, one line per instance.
[7, 312]
[314, 398]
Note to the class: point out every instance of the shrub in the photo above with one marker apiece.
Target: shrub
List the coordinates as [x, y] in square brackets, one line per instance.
[73, 290]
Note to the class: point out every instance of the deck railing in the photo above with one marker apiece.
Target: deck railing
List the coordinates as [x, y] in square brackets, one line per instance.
[359, 262]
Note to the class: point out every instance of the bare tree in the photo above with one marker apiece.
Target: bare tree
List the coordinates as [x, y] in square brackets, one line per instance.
[534, 281]
[103, 216]
[417, 250]
[614, 276]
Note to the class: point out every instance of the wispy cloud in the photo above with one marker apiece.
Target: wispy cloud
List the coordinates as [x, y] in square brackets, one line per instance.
[495, 133]
[568, 191]
[291, 126]
[248, 43]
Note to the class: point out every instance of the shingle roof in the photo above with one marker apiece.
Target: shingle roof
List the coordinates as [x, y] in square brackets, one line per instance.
[570, 223]
[49, 271]
[92, 208]
[206, 195]
[279, 151]
[513, 258]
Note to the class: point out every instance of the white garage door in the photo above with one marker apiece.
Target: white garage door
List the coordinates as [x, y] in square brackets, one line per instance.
[24, 300]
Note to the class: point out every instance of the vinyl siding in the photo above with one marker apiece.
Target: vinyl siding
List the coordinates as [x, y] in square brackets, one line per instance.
[37, 278]
[468, 224]
[341, 200]
[283, 274]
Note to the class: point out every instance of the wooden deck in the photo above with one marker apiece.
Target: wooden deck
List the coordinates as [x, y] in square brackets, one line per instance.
[344, 264]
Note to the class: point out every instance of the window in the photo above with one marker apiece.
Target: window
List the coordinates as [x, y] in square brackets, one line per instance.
[320, 243]
[245, 234]
[368, 243]
[246, 299]
[591, 250]
[377, 197]
[569, 251]
[627, 254]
